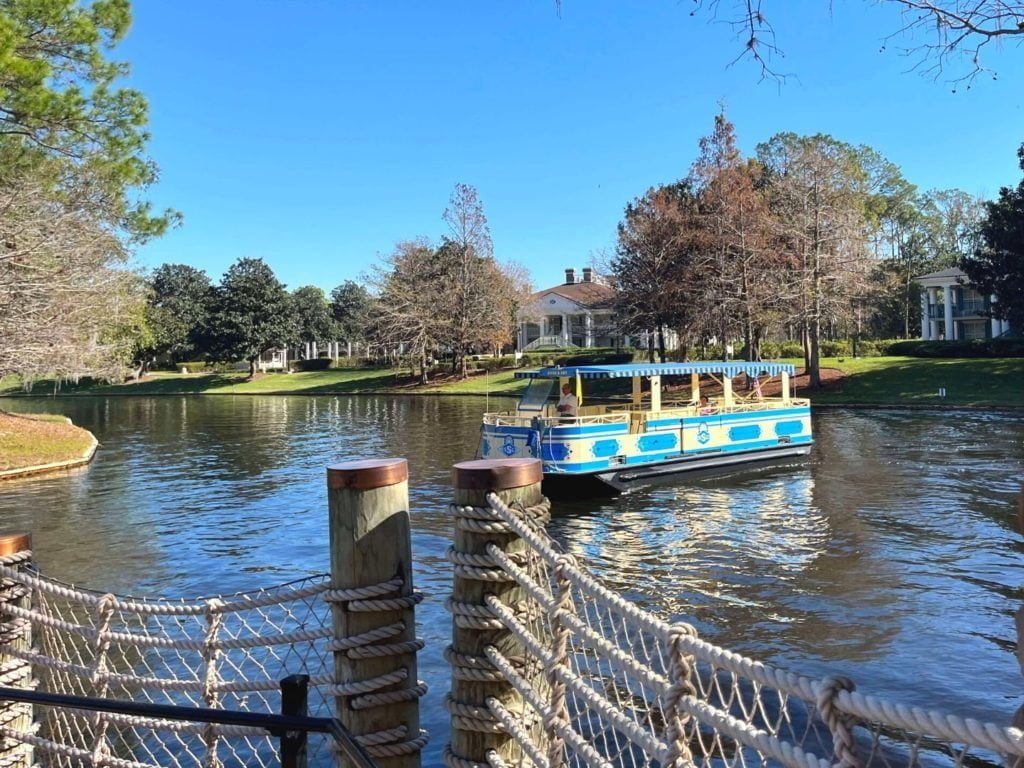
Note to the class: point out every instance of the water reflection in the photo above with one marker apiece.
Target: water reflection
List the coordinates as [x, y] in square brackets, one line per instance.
[888, 556]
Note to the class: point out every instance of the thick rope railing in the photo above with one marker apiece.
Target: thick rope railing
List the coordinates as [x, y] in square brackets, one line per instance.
[209, 685]
[370, 693]
[839, 705]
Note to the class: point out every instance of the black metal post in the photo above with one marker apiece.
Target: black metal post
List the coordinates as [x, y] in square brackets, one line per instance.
[294, 695]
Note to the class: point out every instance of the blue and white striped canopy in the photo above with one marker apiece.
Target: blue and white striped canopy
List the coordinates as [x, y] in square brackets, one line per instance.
[727, 368]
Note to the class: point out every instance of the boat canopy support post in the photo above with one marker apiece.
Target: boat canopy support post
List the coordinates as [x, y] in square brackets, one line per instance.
[638, 392]
[695, 387]
[727, 397]
[655, 394]
[785, 386]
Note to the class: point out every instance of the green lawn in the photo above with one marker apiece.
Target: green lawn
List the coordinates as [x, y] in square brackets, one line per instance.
[28, 440]
[916, 381]
[339, 381]
[869, 381]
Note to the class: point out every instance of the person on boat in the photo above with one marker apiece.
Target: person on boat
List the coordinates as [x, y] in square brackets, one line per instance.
[568, 403]
[707, 405]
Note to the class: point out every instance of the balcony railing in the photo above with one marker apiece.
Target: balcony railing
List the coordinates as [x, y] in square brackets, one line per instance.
[970, 307]
[967, 308]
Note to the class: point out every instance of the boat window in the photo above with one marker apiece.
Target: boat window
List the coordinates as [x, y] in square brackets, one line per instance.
[536, 395]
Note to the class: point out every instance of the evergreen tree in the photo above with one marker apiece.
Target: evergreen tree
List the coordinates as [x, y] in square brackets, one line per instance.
[312, 312]
[352, 308]
[251, 314]
[998, 265]
[177, 309]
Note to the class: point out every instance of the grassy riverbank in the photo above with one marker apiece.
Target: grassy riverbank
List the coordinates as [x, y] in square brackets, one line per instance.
[990, 382]
[33, 440]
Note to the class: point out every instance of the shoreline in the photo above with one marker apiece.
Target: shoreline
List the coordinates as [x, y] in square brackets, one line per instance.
[852, 405]
[983, 384]
[53, 467]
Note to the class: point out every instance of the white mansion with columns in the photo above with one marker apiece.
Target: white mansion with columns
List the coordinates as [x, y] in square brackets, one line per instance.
[952, 309]
[576, 313]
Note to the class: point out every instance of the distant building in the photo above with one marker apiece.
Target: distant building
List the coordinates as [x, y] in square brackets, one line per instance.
[579, 312]
[951, 308]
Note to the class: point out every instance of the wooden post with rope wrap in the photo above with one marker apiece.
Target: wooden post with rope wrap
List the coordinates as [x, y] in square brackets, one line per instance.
[16, 633]
[372, 603]
[513, 481]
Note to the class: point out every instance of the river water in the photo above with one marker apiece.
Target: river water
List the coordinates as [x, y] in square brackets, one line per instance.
[889, 556]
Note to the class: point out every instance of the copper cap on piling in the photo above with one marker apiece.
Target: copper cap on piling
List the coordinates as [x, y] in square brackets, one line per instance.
[13, 543]
[367, 474]
[496, 474]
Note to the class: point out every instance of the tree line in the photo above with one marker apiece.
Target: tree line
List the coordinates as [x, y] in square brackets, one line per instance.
[424, 299]
[811, 237]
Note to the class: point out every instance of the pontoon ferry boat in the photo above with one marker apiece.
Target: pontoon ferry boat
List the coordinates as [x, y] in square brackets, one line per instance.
[610, 446]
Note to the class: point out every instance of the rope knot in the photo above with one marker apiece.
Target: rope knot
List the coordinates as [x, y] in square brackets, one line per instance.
[839, 724]
[565, 564]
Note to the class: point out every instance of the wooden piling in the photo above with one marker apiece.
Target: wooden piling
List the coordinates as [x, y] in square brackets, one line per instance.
[513, 480]
[17, 633]
[370, 545]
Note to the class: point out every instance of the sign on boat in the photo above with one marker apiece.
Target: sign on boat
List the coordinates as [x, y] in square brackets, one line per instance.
[612, 445]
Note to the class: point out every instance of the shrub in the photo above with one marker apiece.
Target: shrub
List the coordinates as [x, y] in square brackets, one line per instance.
[316, 364]
[834, 347]
[348, 362]
[1001, 347]
[791, 349]
[599, 358]
[868, 348]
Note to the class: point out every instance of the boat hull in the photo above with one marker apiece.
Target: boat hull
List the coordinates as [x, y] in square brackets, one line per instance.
[615, 451]
[613, 483]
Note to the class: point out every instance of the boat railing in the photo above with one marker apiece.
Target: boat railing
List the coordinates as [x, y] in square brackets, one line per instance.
[622, 413]
[514, 419]
[715, 407]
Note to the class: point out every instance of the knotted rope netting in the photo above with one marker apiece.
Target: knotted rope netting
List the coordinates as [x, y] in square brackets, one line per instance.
[226, 652]
[615, 685]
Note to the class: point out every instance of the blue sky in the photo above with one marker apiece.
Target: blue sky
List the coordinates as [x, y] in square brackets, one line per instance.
[317, 133]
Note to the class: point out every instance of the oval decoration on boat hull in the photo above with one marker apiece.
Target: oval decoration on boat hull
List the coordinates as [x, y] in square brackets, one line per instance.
[662, 442]
[746, 432]
[603, 448]
[786, 428]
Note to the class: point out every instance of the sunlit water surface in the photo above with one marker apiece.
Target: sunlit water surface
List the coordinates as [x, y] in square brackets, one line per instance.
[889, 556]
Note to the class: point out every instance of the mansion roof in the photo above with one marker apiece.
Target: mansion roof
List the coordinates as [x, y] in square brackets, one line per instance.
[590, 295]
[942, 274]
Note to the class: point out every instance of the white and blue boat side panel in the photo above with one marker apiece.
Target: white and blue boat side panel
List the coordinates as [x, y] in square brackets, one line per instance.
[729, 432]
[586, 448]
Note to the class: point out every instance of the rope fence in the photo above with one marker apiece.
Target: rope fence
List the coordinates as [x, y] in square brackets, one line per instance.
[549, 668]
[222, 652]
[621, 687]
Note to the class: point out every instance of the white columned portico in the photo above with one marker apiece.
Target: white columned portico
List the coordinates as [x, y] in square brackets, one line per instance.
[588, 330]
[947, 298]
[566, 334]
[933, 322]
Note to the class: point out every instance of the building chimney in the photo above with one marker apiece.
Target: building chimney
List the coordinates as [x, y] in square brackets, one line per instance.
[570, 276]
[588, 274]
